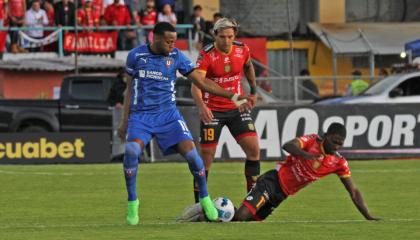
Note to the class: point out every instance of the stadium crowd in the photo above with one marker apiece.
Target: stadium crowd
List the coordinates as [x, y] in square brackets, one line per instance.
[95, 13]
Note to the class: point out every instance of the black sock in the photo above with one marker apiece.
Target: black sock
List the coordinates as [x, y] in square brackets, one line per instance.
[196, 190]
[252, 171]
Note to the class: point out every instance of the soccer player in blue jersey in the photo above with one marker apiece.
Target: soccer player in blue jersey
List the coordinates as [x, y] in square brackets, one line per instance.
[150, 111]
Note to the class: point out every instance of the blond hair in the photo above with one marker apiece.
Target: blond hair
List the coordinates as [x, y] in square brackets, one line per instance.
[225, 23]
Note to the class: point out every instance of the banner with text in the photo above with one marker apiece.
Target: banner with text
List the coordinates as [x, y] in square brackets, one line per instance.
[77, 147]
[92, 42]
[29, 42]
[373, 131]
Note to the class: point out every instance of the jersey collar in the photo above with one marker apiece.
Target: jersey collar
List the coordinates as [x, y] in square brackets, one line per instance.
[230, 50]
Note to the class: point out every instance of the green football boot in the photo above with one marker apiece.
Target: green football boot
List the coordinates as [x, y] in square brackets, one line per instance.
[133, 212]
[209, 209]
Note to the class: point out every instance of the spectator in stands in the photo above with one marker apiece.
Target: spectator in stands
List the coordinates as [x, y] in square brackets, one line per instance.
[3, 5]
[118, 14]
[357, 85]
[199, 26]
[161, 4]
[98, 8]
[64, 13]
[86, 16]
[208, 36]
[48, 6]
[16, 16]
[383, 73]
[167, 15]
[148, 17]
[310, 89]
[36, 17]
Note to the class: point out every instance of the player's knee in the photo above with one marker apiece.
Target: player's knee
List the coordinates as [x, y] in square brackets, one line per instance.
[132, 150]
[253, 155]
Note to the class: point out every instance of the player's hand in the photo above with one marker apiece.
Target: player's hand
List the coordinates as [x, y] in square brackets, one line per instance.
[245, 107]
[122, 130]
[252, 99]
[241, 102]
[206, 114]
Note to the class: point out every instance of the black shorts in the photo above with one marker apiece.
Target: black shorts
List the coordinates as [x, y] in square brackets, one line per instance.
[265, 196]
[239, 124]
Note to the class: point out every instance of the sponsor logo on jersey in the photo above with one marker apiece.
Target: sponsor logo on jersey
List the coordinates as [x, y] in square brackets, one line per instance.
[142, 73]
[227, 60]
[225, 79]
[153, 75]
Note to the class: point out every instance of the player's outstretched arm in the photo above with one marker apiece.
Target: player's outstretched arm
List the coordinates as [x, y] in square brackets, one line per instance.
[356, 197]
[293, 147]
[122, 130]
[199, 79]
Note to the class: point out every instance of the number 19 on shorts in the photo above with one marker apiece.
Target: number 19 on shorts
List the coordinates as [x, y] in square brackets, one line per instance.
[208, 134]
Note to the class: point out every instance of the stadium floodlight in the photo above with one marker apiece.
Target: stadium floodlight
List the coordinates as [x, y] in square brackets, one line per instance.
[403, 54]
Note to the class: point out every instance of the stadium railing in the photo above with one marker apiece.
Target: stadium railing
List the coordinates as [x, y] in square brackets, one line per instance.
[179, 27]
[287, 89]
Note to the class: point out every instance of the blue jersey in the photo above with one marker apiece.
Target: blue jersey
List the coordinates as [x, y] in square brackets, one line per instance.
[154, 76]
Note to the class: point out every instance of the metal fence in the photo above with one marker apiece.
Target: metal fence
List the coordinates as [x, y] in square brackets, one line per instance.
[308, 88]
[179, 27]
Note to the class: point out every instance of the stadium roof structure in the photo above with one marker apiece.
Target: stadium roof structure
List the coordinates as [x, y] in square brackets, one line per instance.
[63, 64]
[366, 38]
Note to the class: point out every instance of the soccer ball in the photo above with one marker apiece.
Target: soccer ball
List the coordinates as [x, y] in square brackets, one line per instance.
[225, 208]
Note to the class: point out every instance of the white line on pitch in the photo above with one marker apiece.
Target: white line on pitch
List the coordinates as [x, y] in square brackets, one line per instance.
[12, 226]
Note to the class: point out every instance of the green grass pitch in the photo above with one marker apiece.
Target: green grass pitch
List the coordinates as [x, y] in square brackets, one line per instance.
[89, 202]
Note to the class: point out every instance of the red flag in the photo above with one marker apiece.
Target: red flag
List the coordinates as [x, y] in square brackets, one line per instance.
[96, 42]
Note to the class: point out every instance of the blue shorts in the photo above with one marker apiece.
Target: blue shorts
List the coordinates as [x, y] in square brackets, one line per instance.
[169, 128]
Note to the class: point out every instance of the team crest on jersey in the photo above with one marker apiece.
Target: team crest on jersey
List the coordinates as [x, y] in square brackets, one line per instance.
[316, 164]
[169, 61]
[251, 126]
[227, 68]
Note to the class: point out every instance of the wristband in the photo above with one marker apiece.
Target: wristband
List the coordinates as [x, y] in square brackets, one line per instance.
[252, 90]
[237, 102]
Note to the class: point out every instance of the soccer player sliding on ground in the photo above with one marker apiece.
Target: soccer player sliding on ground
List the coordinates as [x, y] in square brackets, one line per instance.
[311, 157]
[150, 111]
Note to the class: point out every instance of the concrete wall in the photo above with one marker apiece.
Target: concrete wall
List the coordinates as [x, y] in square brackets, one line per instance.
[382, 10]
[262, 17]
